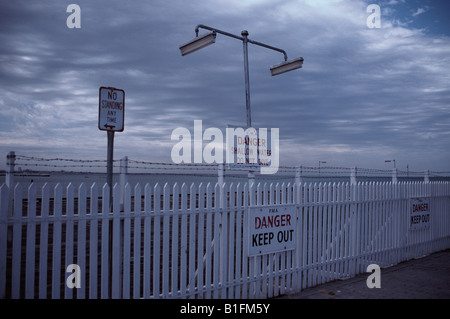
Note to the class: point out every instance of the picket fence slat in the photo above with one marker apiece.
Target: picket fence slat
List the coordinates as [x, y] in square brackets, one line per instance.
[30, 244]
[147, 240]
[126, 276]
[166, 242]
[17, 244]
[69, 256]
[137, 233]
[175, 241]
[191, 241]
[81, 248]
[156, 240]
[4, 204]
[93, 244]
[57, 239]
[43, 243]
[183, 242]
[200, 240]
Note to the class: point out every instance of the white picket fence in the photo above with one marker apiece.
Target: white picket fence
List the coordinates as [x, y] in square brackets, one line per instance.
[192, 242]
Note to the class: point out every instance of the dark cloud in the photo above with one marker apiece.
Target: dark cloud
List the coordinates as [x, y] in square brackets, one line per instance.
[363, 95]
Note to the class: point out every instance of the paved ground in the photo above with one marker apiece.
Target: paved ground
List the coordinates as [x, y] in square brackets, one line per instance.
[424, 278]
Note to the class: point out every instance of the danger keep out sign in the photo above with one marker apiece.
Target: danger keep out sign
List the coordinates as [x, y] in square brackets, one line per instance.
[272, 229]
[420, 212]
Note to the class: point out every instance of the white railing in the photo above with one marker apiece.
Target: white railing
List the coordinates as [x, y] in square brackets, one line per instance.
[192, 242]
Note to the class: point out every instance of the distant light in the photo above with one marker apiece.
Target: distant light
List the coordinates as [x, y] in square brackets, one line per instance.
[198, 43]
[287, 66]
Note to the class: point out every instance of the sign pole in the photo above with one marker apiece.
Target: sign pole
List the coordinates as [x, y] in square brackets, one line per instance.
[111, 113]
[109, 166]
[109, 181]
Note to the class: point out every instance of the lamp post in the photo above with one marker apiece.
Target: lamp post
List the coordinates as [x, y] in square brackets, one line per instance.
[200, 42]
[209, 38]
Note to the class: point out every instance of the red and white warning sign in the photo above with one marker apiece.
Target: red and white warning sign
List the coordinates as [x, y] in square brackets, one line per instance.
[272, 229]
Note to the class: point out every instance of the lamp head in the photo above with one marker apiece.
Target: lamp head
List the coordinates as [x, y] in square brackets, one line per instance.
[286, 66]
[198, 43]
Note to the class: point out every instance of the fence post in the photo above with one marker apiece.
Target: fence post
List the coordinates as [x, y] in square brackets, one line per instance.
[123, 179]
[251, 177]
[298, 182]
[4, 201]
[394, 176]
[9, 178]
[427, 176]
[298, 174]
[220, 172]
[10, 163]
[353, 175]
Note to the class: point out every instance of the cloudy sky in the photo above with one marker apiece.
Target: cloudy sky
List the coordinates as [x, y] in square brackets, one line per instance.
[364, 94]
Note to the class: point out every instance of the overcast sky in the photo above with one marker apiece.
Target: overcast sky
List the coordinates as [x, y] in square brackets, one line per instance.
[364, 94]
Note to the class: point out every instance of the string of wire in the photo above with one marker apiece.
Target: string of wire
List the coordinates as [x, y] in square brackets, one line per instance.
[58, 163]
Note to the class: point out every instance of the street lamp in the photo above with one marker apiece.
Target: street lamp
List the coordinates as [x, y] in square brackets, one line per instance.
[200, 42]
[388, 161]
[286, 66]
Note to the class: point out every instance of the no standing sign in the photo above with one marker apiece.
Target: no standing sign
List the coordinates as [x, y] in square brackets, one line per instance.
[111, 109]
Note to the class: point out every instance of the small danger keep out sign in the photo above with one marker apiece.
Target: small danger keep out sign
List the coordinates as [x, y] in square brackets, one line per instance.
[272, 229]
[420, 213]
